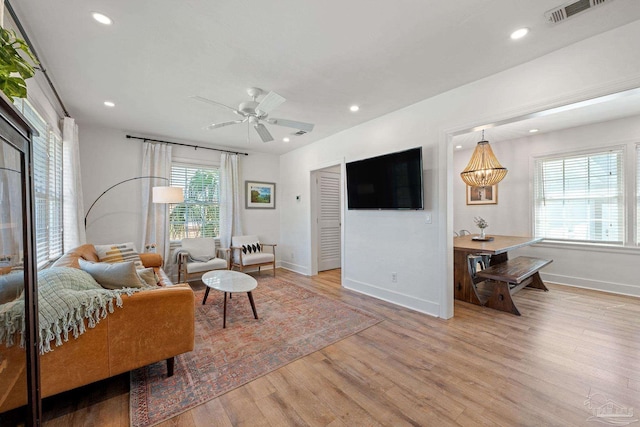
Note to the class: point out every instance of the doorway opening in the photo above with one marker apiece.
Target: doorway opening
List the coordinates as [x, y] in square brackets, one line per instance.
[326, 219]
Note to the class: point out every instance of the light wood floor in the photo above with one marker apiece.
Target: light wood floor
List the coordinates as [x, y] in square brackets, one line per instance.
[483, 367]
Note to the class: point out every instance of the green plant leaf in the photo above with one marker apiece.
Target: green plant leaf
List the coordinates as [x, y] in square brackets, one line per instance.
[25, 70]
[11, 61]
[13, 87]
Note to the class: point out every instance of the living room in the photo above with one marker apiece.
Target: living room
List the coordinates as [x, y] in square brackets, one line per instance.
[416, 245]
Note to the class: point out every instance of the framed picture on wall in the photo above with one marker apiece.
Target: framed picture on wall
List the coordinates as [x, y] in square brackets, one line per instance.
[482, 195]
[260, 195]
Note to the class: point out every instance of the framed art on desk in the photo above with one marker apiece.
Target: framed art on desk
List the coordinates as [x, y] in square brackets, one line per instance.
[260, 195]
[482, 195]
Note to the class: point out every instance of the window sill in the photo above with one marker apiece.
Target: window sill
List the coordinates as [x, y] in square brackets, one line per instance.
[589, 247]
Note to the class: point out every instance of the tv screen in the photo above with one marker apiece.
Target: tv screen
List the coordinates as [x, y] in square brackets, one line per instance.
[392, 181]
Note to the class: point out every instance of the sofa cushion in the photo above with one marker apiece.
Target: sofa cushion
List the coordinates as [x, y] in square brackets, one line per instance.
[11, 286]
[114, 276]
[149, 276]
[119, 252]
[70, 259]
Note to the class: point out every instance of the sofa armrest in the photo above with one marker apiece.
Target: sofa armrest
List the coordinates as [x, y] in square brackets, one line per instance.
[151, 326]
[151, 260]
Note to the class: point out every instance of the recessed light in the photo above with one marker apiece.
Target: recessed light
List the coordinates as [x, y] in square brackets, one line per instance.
[533, 130]
[285, 139]
[109, 104]
[354, 108]
[458, 147]
[518, 34]
[103, 19]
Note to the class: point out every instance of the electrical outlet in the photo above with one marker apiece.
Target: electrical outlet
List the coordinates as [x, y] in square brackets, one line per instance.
[292, 256]
[394, 277]
[427, 218]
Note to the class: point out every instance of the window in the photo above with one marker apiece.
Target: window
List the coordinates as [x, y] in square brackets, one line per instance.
[199, 215]
[580, 197]
[47, 171]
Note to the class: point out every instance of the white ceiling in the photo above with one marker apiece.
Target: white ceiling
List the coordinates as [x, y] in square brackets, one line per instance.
[323, 56]
[596, 110]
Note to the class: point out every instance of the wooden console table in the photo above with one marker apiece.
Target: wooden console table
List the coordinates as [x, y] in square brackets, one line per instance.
[498, 248]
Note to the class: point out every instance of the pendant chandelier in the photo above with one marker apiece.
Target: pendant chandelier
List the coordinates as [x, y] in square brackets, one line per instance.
[483, 169]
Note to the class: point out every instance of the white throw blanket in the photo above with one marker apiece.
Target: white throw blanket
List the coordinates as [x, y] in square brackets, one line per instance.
[66, 297]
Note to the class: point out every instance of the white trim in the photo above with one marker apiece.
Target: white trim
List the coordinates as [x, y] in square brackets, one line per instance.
[296, 268]
[589, 247]
[596, 149]
[579, 282]
[423, 306]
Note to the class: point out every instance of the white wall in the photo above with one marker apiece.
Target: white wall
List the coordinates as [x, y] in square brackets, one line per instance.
[378, 243]
[608, 269]
[108, 157]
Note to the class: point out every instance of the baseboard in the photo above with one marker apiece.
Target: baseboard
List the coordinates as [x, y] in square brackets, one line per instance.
[423, 306]
[597, 285]
[296, 268]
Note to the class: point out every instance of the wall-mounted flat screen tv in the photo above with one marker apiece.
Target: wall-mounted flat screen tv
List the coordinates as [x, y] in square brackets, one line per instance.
[391, 181]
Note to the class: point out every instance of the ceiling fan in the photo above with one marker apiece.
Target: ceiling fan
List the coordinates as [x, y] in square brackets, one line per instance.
[256, 113]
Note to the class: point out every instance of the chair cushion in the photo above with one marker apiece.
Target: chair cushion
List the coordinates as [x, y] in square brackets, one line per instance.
[238, 241]
[256, 258]
[212, 264]
[247, 243]
[200, 247]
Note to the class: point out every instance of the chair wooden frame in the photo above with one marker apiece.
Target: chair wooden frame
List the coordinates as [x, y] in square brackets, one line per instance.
[183, 258]
[240, 265]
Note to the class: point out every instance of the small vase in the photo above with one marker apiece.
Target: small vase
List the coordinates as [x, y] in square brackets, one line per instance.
[482, 236]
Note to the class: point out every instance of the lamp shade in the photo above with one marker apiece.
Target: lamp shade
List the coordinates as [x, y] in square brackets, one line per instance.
[483, 169]
[168, 195]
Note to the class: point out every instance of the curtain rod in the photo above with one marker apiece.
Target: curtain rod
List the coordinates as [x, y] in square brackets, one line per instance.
[23, 33]
[185, 145]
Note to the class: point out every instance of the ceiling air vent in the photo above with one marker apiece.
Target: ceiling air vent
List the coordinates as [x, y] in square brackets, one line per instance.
[570, 9]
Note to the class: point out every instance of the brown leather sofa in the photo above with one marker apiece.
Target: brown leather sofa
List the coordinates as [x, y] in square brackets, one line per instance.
[151, 326]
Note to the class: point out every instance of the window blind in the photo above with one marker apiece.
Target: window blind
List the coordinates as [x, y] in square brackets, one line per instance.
[580, 197]
[199, 215]
[47, 173]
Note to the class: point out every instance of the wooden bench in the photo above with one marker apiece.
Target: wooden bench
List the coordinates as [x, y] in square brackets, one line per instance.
[508, 277]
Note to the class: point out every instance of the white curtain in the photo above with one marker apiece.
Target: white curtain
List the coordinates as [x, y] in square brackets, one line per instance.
[230, 203]
[73, 221]
[156, 161]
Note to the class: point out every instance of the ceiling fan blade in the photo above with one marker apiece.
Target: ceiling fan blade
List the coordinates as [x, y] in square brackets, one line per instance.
[270, 102]
[265, 136]
[208, 101]
[223, 124]
[307, 127]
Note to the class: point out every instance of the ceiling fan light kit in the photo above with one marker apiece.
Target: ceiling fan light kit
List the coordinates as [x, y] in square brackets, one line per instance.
[256, 113]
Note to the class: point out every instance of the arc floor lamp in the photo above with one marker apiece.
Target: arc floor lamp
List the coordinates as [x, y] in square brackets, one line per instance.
[159, 194]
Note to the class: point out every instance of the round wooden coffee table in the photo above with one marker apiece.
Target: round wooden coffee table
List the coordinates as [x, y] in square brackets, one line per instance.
[228, 281]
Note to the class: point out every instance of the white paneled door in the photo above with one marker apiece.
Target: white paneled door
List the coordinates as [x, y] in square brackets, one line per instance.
[329, 244]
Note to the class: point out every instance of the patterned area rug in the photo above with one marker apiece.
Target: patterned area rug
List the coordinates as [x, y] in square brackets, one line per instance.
[293, 322]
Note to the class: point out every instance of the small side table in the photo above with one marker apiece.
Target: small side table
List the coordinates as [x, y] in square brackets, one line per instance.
[228, 281]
